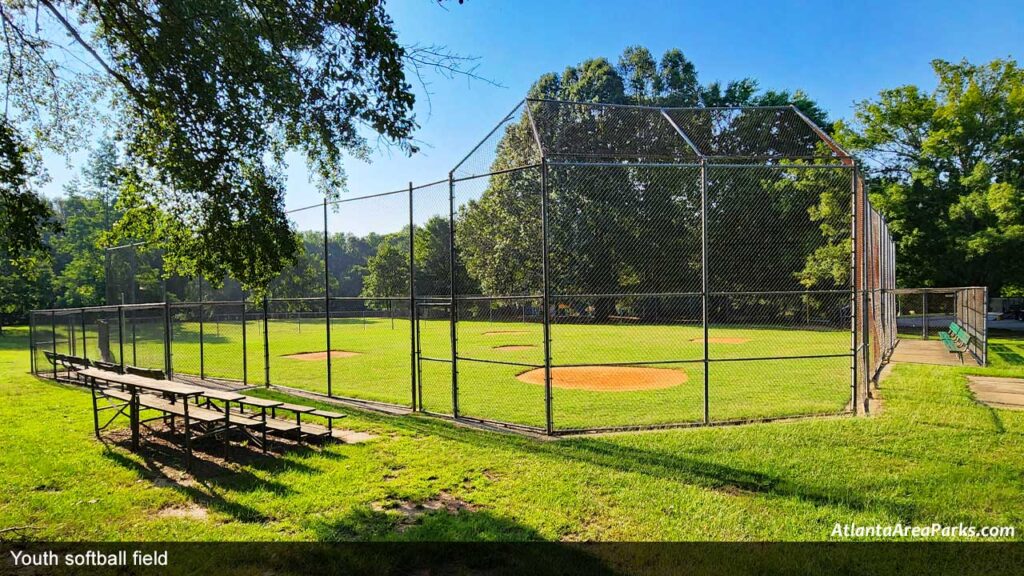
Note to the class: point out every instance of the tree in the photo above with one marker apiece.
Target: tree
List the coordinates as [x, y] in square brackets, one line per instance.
[24, 214]
[615, 228]
[208, 96]
[86, 213]
[945, 169]
[387, 273]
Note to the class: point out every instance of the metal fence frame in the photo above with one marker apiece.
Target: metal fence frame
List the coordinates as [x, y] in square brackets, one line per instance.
[871, 291]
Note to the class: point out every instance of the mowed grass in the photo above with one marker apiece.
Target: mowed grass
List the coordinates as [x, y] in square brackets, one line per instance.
[931, 455]
[382, 368]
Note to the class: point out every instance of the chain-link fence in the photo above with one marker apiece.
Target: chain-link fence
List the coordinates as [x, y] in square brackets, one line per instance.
[925, 313]
[585, 267]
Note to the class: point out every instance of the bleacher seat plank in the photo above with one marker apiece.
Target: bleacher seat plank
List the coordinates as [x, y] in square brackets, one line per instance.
[327, 414]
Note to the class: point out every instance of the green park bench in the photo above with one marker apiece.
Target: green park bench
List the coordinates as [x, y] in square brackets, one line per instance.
[956, 340]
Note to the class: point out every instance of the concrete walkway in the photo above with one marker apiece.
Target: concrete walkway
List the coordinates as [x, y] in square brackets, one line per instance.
[926, 352]
[998, 392]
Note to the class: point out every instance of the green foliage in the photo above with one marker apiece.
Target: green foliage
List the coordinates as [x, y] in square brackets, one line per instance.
[208, 97]
[387, 272]
[24, 214]
[945, 171]
[612, 229]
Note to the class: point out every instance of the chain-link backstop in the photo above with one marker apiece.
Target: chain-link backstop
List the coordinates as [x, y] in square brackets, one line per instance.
[585, 267]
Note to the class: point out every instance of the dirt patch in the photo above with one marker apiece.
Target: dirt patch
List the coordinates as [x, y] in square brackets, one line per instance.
[192, 512]
[720, 340]
[504, 332]
[608, 378]
[513, 347]
[410, 512]
[321, 355]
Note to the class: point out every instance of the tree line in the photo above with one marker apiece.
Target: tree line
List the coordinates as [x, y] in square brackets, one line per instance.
[945, 167]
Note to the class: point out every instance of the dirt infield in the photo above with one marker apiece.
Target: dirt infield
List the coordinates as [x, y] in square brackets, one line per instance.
[607, 378]
[513, 347]
[321, 355]
[714, 340]
[504, 332]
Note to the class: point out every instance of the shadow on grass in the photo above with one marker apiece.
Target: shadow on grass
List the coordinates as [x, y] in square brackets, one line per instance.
[209, 476]
[685, 468]
[439, 527]
[1006, 353]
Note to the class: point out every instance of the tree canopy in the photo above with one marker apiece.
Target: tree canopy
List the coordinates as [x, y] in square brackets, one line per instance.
[618, 228]
[946, 168]
[206, 97]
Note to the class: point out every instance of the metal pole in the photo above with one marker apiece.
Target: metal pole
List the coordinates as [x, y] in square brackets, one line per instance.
[548, 415]
[704, 282]
[453, 307]
[245, 348]
[327, 303]
[53, 340]
[266, 343]
[32, 343]
[202, 351]
[984, 324]
[924, 315]
[853, 293]
[85, 342]
[120, 336]
[168, 358]
[413, 324]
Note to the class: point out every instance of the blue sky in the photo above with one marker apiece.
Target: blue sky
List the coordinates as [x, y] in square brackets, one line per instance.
[838, 52]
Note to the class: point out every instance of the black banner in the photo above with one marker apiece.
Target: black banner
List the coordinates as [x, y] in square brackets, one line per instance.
[428, 558]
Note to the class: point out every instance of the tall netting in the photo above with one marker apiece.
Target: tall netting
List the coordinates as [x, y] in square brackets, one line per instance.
[584, 267]
[369, 310]
[931, 313]
[432, 291]
[778, 298]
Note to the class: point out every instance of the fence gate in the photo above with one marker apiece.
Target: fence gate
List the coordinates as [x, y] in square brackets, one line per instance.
[434, 366]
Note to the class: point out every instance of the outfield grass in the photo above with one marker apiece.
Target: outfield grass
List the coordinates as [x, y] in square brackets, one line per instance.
[382, 370]
[931, 455]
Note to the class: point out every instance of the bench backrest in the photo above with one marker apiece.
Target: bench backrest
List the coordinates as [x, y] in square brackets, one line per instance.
[107, 366]
[145, 372]
[959, 333]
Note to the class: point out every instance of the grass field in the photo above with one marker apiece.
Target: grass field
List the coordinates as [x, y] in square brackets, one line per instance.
[382, 369]
[931, 455]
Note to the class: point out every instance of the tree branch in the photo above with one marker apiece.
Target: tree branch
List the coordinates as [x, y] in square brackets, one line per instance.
[73, 32]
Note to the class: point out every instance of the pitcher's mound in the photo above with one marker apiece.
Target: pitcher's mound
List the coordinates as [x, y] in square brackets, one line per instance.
[504, 332]
[607, 378]
[721, 340]
[513, 347]
[322, 355]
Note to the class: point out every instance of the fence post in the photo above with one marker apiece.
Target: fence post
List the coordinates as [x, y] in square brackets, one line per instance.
[854, 237]
[202, 346]
[85, 342]
[413, 324]
[866, 289]
[327, 302]
[266, 343]
[453, 315]
[924, 315]
[704, 296]
[168, 362]
[245, 346]
[548, 414]
[984, 325]
[32, 343]
[53, 340]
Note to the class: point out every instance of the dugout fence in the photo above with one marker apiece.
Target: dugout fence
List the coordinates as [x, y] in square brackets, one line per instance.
[585, 267]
